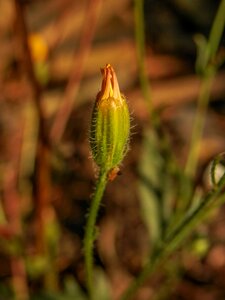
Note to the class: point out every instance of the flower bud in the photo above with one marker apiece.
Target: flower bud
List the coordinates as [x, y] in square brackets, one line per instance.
[110, 125]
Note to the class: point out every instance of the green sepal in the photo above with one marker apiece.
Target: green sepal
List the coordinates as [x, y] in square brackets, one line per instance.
[110, 129]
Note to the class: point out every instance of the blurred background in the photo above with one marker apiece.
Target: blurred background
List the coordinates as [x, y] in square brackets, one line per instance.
[51, 54]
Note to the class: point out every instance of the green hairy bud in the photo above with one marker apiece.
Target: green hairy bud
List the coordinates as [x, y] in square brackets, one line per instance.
[110, 125]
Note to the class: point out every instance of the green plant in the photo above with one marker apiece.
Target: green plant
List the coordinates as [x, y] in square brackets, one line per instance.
[110, 129]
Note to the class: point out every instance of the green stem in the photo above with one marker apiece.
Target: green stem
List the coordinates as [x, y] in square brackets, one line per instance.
[90, 229]
[207, 79]
[217, 30]
[203, 101]
[140, 47]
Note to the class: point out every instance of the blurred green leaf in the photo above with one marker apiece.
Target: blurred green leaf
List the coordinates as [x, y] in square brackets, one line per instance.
[157, 189]
[101, 290]
[72, 292]
[149, 184]
[52, 234]
[202, 53]
[42, 72]
[72, 288]
[36, 265]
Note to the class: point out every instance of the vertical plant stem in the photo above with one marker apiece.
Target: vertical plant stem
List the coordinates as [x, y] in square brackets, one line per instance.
[41, 186]
[207, 79]
[217, 30]
[27, 63]
[90, 233]
[140, 47]
[203, 101]
[26, 58]
[2, 215]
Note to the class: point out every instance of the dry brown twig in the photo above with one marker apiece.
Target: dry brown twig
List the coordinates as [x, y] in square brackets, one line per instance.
[80, 59]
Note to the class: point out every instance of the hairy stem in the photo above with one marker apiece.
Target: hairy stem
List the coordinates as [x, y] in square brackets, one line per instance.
[90, 234]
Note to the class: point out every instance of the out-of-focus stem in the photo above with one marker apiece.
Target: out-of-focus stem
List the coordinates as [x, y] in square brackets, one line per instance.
[41, 188]
[28, 63]
[217, 30]
[140, 48]
[203, 101]
[207, 79]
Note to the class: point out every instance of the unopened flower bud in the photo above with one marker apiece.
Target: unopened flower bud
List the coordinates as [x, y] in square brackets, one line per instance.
[110, 125]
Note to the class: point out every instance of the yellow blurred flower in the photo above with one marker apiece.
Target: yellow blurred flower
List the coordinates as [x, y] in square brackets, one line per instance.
[38, 47]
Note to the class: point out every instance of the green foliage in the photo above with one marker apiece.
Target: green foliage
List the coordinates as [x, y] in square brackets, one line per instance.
[36, 266]
[71, 291]
[169, 228]
[155, 185]
[102, 290]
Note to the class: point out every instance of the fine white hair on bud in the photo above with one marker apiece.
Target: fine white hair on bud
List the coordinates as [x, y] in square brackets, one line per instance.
[110, 124]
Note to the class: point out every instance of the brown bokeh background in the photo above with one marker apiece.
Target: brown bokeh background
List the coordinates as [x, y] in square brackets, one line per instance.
[47, 175]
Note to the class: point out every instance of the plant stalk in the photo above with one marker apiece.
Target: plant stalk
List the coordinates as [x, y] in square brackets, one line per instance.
[209, 72]
[90, 233]
[198, 126]
[140, 46]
